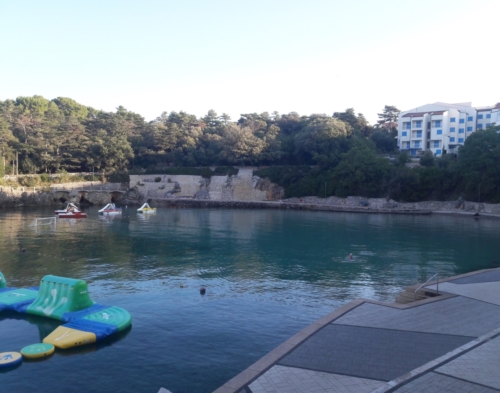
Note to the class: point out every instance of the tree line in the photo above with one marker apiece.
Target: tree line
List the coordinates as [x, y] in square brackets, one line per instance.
[319, 154]
[51, 135]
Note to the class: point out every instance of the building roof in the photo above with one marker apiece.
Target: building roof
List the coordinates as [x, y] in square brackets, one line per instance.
[488, 108]
[420, 114]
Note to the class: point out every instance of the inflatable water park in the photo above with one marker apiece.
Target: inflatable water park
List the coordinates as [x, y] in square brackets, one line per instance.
[66, 300]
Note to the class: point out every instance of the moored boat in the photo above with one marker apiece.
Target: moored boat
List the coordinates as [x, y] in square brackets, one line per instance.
[71, 212]
[110, 210]
[68, 207]
[146, 209]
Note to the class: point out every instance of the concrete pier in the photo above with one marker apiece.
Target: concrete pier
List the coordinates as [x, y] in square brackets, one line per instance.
[448, 343]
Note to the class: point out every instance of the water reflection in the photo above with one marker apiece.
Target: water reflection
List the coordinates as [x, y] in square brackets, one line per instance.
[267, 273]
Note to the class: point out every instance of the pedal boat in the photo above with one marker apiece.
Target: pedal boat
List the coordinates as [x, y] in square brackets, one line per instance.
[110, 210]
[69, 206]
[146, 209]
[72, 212]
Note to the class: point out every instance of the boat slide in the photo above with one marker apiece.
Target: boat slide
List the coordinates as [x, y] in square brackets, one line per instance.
[110, 209]
[146, 209]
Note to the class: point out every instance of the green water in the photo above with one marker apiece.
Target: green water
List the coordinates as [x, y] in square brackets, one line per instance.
[268, 274]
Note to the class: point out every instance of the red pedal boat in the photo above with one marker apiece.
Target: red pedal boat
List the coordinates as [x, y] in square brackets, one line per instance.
[71, 211]
[67, 209]
[73, 215]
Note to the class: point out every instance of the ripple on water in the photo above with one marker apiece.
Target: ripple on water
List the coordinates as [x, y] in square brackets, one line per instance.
[267, 275]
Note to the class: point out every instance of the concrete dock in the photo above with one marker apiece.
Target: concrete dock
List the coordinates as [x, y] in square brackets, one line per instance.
[447, 343]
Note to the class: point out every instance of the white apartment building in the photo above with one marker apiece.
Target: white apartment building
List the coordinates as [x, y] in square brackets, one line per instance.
[441, 127]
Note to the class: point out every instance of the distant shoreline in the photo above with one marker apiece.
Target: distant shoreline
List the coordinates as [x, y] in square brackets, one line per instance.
[27, 197]
[284, 205]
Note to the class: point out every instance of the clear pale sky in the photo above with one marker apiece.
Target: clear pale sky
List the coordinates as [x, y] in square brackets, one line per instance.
[315, 56]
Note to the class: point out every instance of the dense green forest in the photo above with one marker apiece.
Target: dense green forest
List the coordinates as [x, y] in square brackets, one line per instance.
[339, 154]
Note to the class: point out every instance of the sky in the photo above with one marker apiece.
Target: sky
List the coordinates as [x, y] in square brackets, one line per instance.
[235, 56]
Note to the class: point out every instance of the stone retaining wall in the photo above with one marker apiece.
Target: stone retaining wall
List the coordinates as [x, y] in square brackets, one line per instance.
[53, 196]
[382, 203]
[241, 187]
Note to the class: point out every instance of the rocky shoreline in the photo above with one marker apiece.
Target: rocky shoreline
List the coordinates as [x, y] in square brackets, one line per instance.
[83, 193]
[121, 194]
[347, 205]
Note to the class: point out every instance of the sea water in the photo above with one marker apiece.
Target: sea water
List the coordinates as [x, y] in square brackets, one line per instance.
[267, 273]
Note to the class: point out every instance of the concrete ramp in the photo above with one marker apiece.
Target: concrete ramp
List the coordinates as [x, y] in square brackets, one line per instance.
[242, 187]
[217, 190]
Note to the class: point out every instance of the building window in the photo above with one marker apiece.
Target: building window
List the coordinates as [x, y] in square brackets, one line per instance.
[460, 140]
[436, 143]
[479, 126]
[461, 121]
[479, 117]
[404, 133]
[470, 118]
[440, 132]
[460, 130]
[488, 115]
[487, 125]
[438, 151]
[469, 128]
[452, 129]
[407, 145]
[419, 134]
[417, 144]
[452, 120]
[452, 139]
[418, 124]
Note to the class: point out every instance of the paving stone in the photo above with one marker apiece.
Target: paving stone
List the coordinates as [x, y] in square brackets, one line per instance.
[282, 379]
[439, 383]
[379, 354]
[486, 291]
[448, 316]
[481, 365]
[479, 278]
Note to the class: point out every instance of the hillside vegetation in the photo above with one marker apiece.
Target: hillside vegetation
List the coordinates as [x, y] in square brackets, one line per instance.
[319, 154]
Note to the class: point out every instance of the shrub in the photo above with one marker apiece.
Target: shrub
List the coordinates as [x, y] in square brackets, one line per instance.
[118, 177]
[29, 181]
[45, 178]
